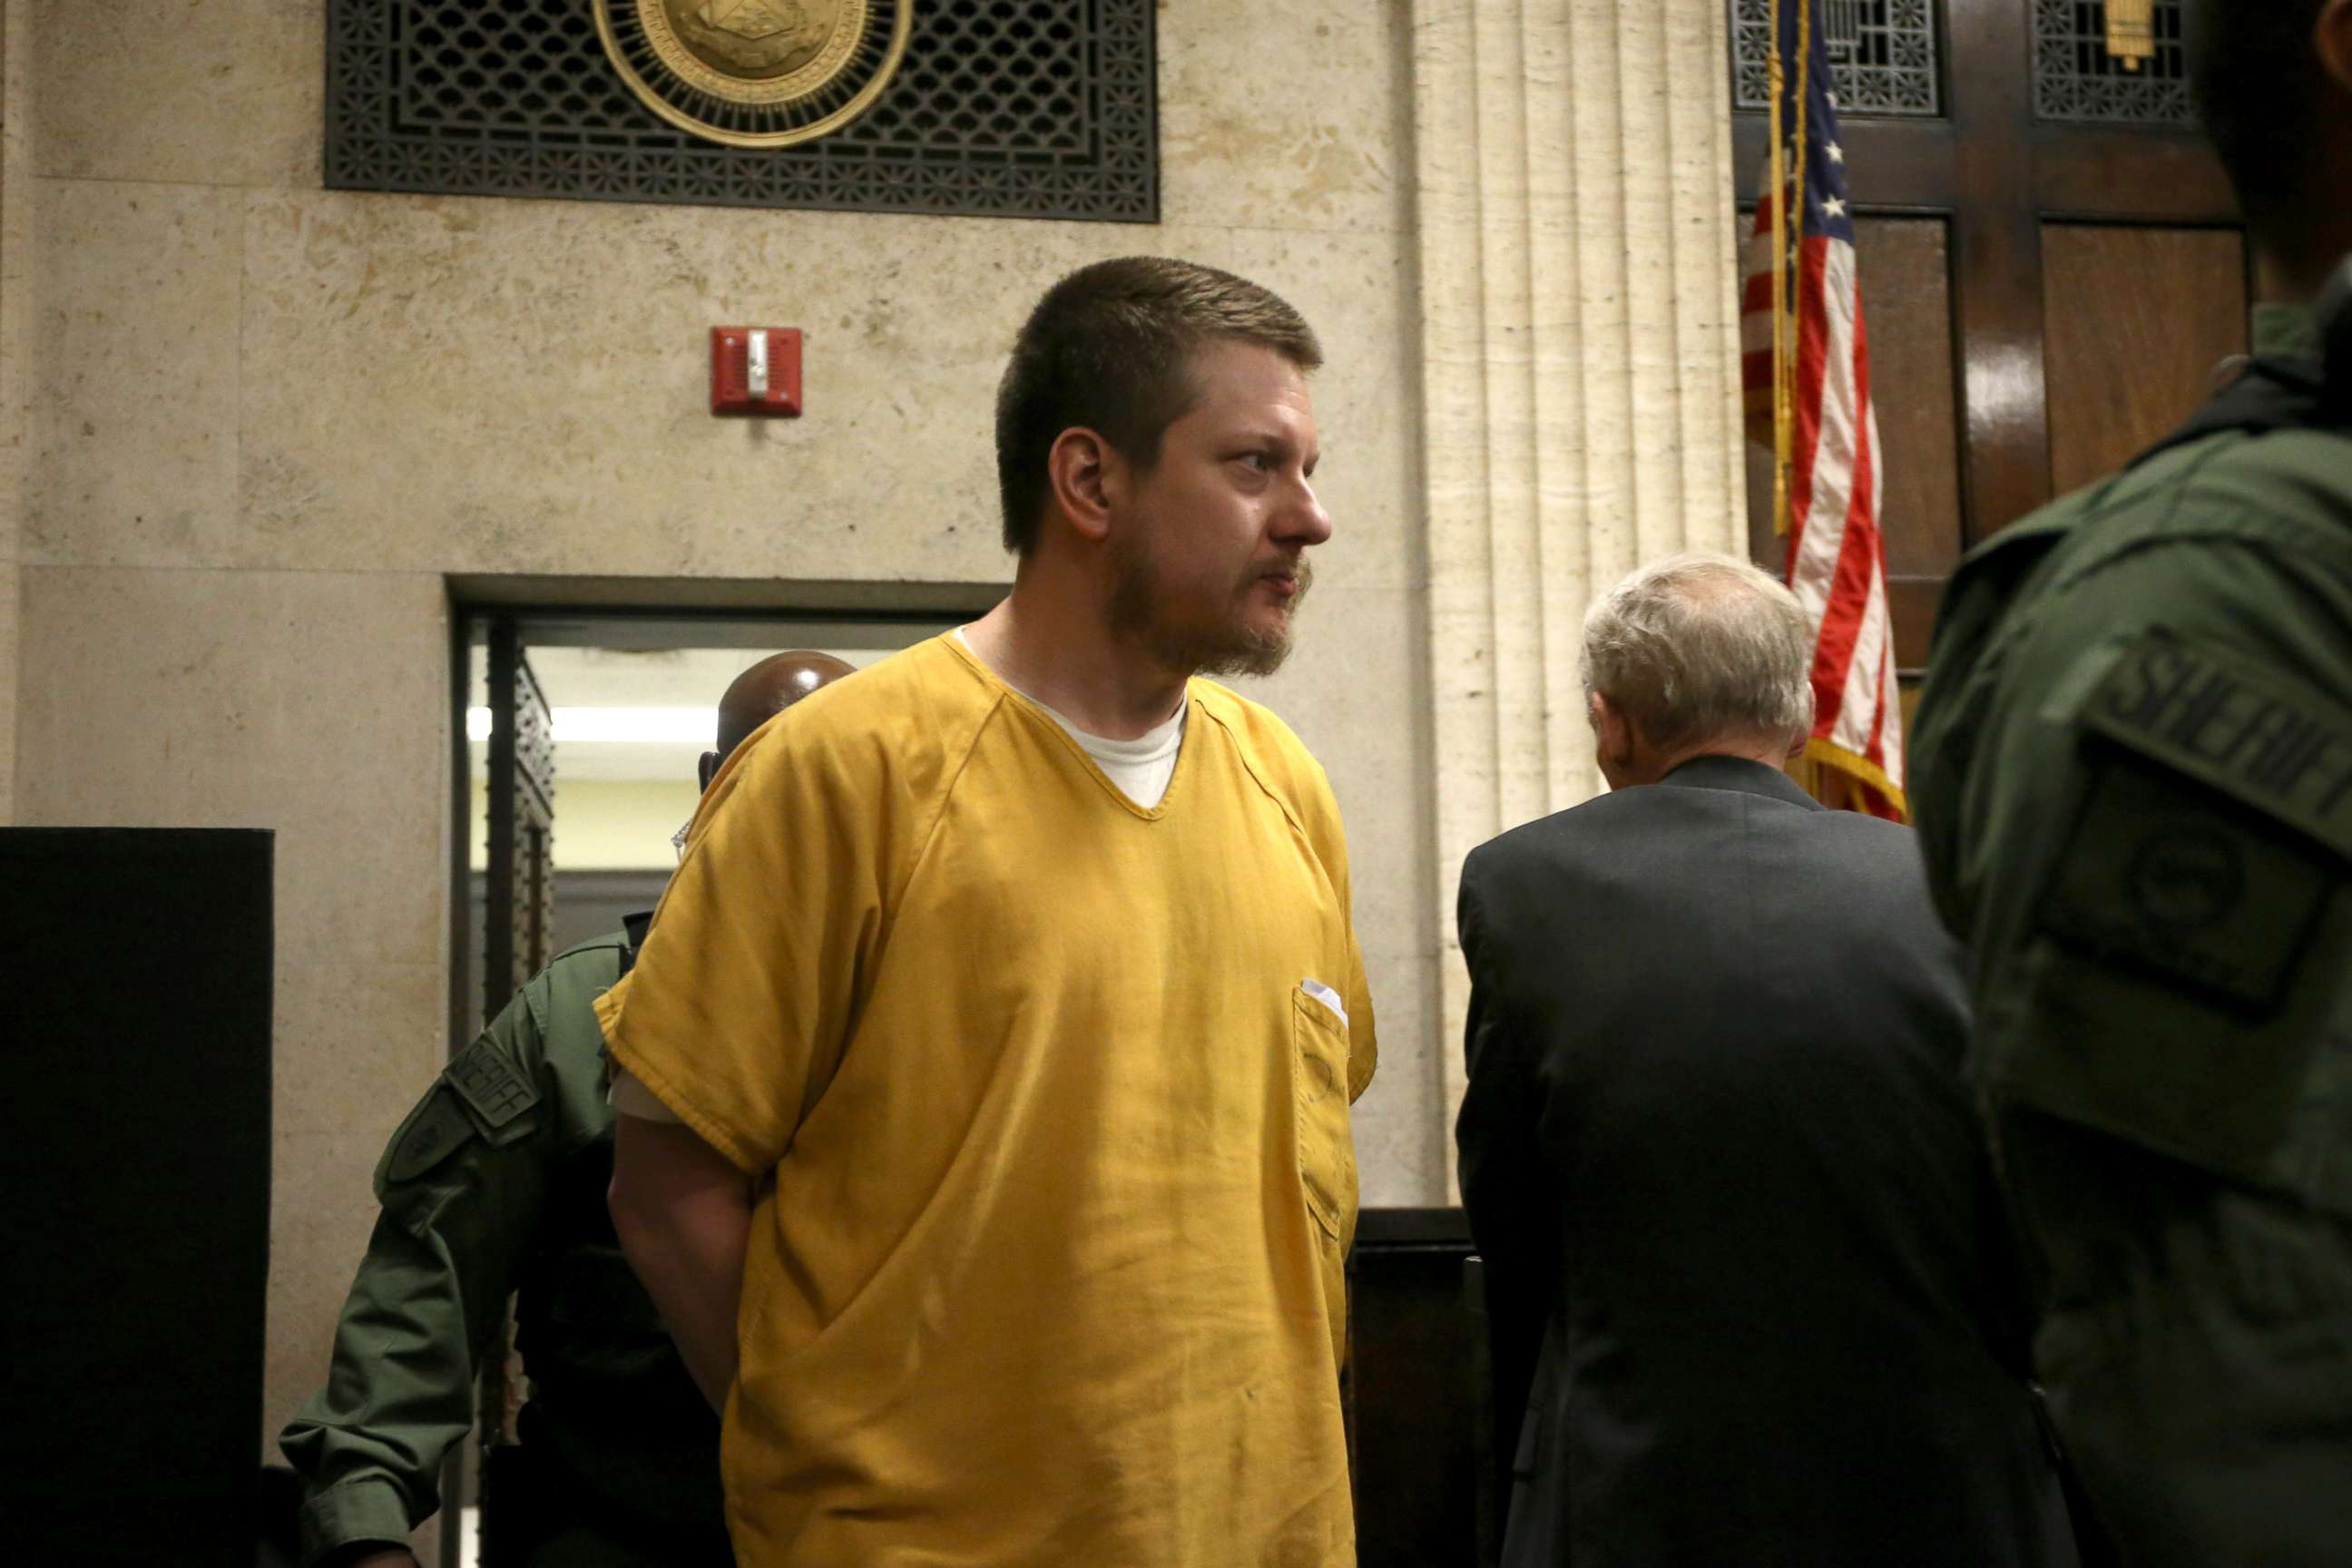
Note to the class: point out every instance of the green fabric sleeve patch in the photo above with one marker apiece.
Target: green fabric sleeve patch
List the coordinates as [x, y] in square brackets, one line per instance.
[491, 1084]
[2259, 737]
[2164, 876]
[2193, 857]
[432, 1131]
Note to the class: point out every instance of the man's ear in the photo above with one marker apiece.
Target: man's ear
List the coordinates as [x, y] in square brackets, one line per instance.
[1079, 469]
[1798, 740]
[2333, 38]
[1612, 733]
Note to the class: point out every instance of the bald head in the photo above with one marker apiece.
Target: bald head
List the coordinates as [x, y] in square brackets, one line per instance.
[764, 690]
[1696, 654]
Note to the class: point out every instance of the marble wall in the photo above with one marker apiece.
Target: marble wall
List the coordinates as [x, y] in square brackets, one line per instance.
[268, 420]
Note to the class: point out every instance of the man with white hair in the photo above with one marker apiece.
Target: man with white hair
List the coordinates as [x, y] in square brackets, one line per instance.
[1733, 1206]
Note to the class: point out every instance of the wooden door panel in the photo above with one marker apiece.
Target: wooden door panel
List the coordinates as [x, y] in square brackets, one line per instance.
[2047, 288]
[1998, 171]
[1906, 304]
[1906, 298]
[2135, 323]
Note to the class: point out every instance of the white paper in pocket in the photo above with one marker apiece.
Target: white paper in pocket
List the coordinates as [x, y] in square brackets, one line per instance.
[1321, 993]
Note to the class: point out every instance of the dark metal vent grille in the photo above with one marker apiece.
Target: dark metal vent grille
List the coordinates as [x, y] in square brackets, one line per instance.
[2074, 78]
[1886, 54]
[1038, 108]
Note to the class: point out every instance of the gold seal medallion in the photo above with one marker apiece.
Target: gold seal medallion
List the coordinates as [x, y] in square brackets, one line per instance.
[756, 73]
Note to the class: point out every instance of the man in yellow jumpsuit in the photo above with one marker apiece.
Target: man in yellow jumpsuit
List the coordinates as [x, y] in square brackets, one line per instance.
[986, 1075]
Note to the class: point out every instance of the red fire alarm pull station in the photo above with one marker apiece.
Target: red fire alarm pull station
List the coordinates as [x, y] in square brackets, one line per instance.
[755, 370]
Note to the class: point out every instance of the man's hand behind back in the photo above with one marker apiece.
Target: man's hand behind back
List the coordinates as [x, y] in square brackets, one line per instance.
[683, 1214]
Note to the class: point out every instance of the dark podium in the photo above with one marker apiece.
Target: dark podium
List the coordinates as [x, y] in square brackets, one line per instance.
[1420, 1402]
[135, 966]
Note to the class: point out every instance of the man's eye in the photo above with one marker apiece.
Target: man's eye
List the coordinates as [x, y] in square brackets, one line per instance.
[1258, 460]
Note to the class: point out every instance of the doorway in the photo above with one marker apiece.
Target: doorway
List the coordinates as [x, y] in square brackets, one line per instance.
[580, 730]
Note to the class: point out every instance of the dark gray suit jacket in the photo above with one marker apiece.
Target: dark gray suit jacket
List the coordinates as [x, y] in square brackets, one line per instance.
[1733, 1202]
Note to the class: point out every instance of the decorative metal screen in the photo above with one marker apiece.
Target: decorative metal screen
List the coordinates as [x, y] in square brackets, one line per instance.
[2074, 77]
[519, 916]
[1040, 109]
[1885, 54]
[520, 907]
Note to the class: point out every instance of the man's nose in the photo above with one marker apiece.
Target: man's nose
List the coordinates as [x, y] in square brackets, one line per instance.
[1303, 521]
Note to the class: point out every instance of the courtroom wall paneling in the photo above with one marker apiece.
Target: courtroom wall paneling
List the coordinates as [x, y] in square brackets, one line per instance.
[2135, 323]
[1907, 295]
[1907, 310]
[2035, 129]
[1905, 263]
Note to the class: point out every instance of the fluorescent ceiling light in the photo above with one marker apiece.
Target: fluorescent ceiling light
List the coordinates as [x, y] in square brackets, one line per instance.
[623, 726]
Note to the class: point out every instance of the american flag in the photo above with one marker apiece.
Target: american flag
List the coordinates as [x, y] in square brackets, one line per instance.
[1807, 356]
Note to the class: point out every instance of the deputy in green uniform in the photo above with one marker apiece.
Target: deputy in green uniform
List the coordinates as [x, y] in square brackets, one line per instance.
[2133, 781]
[496, 1183]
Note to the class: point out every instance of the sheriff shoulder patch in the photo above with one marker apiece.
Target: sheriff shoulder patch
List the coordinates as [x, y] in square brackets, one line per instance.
[2193, 857]
[2255, 734]
[492, 1085]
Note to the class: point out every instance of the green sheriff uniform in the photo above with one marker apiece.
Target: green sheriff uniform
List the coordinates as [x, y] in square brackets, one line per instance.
[496, 1183]
[2132, 782]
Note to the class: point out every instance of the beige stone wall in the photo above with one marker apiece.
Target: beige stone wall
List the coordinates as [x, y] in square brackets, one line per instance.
[269, 419]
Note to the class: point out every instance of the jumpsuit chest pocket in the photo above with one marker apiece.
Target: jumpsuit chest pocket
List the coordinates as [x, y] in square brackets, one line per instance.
[1326, 1155]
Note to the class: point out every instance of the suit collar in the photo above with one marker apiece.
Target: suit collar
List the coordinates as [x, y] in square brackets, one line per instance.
[1742, 777]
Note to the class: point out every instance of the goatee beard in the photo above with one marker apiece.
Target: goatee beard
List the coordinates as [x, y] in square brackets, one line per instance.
[1234, 648]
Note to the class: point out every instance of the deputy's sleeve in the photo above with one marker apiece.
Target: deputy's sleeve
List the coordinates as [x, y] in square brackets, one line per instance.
[1963, 677]
[1330, 840]
[2257, 676]
[744, 993]
[2167, 870]
[460, 1186]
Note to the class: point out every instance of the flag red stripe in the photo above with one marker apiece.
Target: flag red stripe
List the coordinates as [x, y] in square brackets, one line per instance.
[1812, 361]
[1858, 564]
[1833, 484]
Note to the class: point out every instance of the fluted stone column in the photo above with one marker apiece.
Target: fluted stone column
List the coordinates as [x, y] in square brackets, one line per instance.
[1580, 373]
[15, 313]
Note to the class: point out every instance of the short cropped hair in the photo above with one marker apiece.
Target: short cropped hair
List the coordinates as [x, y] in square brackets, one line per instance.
[2262, 95]
[1698, 646]
[1108, 349]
